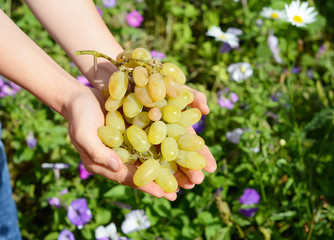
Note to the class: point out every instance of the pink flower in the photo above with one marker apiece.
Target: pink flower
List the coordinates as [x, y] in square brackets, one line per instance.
[158, 55]
[84, 174]
[134, 19]
[84, 81]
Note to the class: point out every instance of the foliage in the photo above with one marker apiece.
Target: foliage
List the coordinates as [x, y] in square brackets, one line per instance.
[285, 151]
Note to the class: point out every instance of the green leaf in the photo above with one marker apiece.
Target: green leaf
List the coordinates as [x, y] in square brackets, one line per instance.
[162, 207]
[52, 236]
[102, 216]
[116, 192]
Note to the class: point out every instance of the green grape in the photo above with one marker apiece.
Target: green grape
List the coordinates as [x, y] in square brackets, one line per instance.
[189, 117]
[140, 76]
[171, 113]
[174, 71]
[110, 136]
[118, 84]
[173, 89]
[114, 119]
[154, 114]
[171, 165]
[143, 96]
[141, 53]
[186, 97]
[131, 106]
[190, 142]
[166, 180]
[126, 141]
[146, 172]
[157, 132]
[159, 104]
[191, 160]
[174, 130]
[141, 120]
[169, 149]
[138, 138]
[156, 87]
[123, 153]
[112, 105]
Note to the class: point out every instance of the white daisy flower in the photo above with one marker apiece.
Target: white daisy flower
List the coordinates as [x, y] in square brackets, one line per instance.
[240, 71]
[108, 232]
[300, 14]
[273, 46]
[228, 37]
[271, 13]
[134, 221]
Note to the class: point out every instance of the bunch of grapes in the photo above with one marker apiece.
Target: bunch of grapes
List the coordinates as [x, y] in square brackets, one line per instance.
[148, 116]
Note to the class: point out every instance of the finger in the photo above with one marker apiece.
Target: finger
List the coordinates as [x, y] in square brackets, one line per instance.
[195, 176]
[200, 101]
[96, 150]
[125, 176]
[183, 180]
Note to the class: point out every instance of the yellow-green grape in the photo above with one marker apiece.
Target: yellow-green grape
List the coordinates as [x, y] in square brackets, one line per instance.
[126, 141]
[191, 160]
[190, 117]
[169, 149]
[175, 130]
[174, 71]
[138, 138]
[141, 120]
[157, 87]
[159, 104]
[123, 153]
[190, 142]
[110, 136]
[114, 119]
[140, 76]
[112, 105]
[154, 114]
[157, 132]
[118, 84]
[131, 106]
[105, 91]
[147, 172]
[166, 180]
[171, 113]
[173, 89]
[186, 97]
[171, 165]
[141, 53]
[143, 96]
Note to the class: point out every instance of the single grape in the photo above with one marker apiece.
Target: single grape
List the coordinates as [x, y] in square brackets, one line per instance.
[185, 97]
[154, 114]
[175, 130]
[141, 120]
[174, 71]
[118, 84]
[191, 160]
[131, 106]
[114, 119]
[138, 138]
[146, 172]
[123, 153]
[190, 142]
[110, 136]
[143, 96]
[157, 132]
[171, 165]
[140, 76]
[169, 149]
[189, 117]
[171, 113]
[173, 89]
[166, 180]
[156, 87]
[112, 105]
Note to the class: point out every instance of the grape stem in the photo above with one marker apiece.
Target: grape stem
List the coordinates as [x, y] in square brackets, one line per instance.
[97, 55]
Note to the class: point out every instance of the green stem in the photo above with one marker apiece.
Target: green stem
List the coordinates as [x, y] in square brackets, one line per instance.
[96, 56]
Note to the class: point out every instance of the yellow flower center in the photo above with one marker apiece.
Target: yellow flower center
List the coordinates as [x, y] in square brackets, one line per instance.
[297, 19]
[222, 37]
[243, 69]
[274, 15]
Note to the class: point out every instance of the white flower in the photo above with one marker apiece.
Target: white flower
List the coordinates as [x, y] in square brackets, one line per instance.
[271, 13]
[134, 221]
[109, 231]
[228, 37]
[300, 14]
[273, 45]
[240, 71]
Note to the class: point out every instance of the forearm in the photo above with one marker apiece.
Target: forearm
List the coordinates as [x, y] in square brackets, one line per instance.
[24, 63]
[76, 25]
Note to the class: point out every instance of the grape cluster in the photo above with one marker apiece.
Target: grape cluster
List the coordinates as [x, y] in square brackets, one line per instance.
[148, 116]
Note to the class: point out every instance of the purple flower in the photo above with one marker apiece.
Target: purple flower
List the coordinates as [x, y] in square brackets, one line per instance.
[275, 97]
[249, 197]
[158, 55]
[31, 140]
[109, 3]
[63, 191]
[84, 174]
[66, 235]
[310, 73]
[200, 125]
[235, 135]
[2, 81]
[295, 70]
[84, 81]
[99, 11]
[225, 48]
[78, 212]
[54, 201]
[134, 19]
[226, 99]
[7, 89]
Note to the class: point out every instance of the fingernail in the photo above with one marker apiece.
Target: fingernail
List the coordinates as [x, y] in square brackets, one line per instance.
[113, 164]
